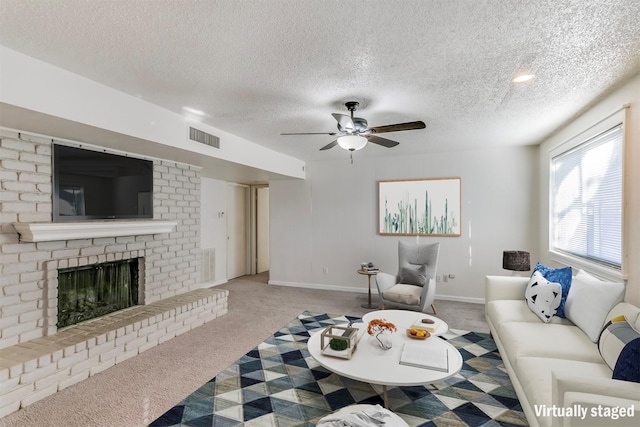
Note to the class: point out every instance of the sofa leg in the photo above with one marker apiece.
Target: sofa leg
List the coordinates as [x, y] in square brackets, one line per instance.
[433, 307]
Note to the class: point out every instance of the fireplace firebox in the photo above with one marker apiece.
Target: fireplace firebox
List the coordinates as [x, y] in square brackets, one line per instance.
[92, 291]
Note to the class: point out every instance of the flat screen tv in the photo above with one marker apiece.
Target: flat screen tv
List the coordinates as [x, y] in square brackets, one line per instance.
[94, 185]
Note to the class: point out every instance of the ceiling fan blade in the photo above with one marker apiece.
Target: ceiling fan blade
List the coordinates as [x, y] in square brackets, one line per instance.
[309, 133]
[344, 122]
[382, 141]
[330, 145]
[398, 127]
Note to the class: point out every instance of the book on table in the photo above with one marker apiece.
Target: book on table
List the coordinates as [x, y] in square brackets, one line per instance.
[430, 327]
[421, 356]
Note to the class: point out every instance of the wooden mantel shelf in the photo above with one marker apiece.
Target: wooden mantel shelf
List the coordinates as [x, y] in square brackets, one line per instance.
[49, 232]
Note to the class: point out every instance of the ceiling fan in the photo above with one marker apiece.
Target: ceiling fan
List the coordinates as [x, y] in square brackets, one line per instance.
[354, 133]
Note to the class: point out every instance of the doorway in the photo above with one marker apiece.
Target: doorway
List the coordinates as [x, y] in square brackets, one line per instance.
[237, 235]
[262, 229]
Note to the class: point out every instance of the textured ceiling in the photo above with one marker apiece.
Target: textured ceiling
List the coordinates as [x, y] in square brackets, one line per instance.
[260, 68]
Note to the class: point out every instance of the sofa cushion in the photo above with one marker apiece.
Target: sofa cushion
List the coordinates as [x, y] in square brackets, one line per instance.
[405, 294]
[619, 345]
[543, 297]
[589, 302]
[501, 312]
[535, 376]
[547, 340]
[558, 275]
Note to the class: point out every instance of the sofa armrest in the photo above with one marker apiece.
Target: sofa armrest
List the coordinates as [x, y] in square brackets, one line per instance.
[599, 398]
[504, 287]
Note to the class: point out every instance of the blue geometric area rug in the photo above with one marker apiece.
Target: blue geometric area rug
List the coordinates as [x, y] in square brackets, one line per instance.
[278, 383]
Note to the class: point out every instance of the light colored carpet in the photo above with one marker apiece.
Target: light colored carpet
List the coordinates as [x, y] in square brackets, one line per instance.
[140, 389]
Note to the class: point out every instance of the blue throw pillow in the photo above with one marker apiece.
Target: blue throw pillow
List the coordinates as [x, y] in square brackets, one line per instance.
[558, 275]
[619, 345]
[628, 365]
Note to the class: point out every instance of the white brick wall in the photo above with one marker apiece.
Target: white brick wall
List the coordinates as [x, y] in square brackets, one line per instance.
[27, 308]
[37, 360]
[34, 370]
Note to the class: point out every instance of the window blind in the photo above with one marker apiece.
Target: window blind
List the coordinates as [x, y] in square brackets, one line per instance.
[586, 208]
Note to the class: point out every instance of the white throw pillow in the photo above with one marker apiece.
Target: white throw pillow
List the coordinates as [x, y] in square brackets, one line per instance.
[543, 297]
[590, 300]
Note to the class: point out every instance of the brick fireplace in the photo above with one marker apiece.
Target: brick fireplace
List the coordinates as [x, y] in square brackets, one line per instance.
[35, 358]
[88, 290]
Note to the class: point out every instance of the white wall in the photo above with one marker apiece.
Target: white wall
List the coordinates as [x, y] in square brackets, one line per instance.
[213, 223]
[330, 219]
[34, 85]
[627, 94]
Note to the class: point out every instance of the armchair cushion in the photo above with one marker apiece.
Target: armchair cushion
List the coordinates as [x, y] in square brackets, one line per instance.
[403, 293]
[414, 275]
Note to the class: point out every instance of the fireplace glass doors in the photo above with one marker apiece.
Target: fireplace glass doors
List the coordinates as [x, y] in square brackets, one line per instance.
[95, 290]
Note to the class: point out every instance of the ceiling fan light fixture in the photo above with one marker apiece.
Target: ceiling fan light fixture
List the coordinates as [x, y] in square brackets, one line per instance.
[352, 142]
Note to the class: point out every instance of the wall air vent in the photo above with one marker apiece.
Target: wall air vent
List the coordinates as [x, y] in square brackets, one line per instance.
[203, 137]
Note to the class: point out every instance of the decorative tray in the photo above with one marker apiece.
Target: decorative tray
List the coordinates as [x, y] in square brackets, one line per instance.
[418, 334]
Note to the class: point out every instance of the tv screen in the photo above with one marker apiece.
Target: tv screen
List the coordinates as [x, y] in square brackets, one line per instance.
[91, 185]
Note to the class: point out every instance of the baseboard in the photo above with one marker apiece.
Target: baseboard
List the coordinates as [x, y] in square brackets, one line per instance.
[460, 299]
[363, 290]
[213, 284]
[323, 287]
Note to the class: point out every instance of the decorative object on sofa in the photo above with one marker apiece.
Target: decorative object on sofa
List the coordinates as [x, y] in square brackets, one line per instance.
[414, 286]
[420, 207]
[589, 301]
[619, 345]
[516, 260]
[339, 341]
[381, 331]
[561, 275]
[543, 297]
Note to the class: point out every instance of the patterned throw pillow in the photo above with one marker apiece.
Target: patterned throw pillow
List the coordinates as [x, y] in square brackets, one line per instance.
[543, 297]
[557, 275]
[619, 345]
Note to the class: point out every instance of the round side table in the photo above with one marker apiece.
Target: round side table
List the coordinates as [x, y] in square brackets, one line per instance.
[368, 274]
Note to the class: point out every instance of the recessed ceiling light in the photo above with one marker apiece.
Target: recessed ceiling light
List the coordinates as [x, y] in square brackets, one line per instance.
[194, 111]
[521, 78]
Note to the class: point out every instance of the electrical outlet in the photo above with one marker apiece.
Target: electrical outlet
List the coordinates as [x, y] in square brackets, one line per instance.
[438, 278]
[445, 278]
[325, 270]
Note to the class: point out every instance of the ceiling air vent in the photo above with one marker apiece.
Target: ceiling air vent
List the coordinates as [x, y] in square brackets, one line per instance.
[203, 137]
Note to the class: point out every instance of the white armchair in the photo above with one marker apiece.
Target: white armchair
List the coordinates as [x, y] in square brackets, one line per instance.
[414, 287]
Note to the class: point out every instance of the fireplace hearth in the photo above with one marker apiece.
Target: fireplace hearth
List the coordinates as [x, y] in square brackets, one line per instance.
[92, 291]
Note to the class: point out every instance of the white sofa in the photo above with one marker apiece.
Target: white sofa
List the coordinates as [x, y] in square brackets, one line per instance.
[555, 367]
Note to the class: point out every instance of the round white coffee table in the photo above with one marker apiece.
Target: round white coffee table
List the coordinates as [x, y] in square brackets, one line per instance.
[369, 363]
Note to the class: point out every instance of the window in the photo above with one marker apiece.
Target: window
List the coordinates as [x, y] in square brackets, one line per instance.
[586, 200]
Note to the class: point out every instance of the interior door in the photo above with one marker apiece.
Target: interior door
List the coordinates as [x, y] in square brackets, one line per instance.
[262, 229]
[237, 196]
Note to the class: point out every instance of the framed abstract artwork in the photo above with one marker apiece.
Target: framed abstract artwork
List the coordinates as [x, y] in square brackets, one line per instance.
[420, 207]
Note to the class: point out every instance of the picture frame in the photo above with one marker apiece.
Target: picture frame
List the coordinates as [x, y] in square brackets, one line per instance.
[420, 207]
